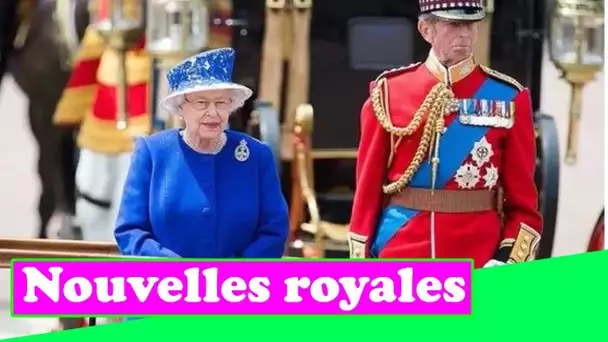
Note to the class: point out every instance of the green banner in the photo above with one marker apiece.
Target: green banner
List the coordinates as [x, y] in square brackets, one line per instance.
[547, 300]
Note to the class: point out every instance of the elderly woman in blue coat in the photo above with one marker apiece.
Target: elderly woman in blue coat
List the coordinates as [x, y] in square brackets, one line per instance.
[204, 191]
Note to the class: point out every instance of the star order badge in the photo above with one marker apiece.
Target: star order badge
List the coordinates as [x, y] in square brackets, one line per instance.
[467, 176]
[241, 152]
[482, 152]
[491, 176]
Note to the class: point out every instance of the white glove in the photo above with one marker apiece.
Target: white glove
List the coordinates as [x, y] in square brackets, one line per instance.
[493, 263]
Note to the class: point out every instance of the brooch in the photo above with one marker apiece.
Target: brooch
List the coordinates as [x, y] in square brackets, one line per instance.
[241, 152]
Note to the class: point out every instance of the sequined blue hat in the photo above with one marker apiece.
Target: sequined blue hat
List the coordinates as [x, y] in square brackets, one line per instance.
[210, 70]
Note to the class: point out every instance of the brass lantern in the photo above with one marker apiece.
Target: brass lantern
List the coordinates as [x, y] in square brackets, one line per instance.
[121, 24]
[176, 29]
[576, 38]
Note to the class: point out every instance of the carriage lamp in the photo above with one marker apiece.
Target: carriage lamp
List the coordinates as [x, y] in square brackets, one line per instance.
[121, 24]
[576, 38]
[175, 30]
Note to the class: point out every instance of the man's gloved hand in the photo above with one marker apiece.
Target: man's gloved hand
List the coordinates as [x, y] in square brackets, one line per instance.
[493, 263]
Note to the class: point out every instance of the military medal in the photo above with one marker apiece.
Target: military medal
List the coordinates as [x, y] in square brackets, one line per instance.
[483, 112]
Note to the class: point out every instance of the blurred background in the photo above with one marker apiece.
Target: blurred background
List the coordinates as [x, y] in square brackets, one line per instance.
[291, 53]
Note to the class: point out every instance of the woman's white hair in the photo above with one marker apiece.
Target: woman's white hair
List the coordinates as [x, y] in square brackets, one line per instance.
[237, 100]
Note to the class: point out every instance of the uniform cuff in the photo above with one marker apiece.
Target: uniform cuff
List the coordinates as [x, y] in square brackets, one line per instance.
[357, 244]
[521, 249]
[504, 250]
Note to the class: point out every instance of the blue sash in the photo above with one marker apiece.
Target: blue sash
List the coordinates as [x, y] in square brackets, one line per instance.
[457, 143]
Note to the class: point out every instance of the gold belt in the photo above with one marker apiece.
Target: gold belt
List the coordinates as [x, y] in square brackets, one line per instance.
[447, 201]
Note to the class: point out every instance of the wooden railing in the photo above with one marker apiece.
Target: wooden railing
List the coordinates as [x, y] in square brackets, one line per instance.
[48, 248]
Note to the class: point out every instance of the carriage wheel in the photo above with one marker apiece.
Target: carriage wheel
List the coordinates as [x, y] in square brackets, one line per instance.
[547, 179]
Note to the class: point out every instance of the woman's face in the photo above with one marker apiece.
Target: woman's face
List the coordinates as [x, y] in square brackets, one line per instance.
[207, 112]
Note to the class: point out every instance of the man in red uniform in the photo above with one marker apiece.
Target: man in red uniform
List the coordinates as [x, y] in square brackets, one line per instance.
[447, 154]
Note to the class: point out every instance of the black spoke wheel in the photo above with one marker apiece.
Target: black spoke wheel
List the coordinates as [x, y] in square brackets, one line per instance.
[547, 179]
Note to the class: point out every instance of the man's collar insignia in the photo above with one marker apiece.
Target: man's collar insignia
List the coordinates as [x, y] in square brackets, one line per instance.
[449, 75]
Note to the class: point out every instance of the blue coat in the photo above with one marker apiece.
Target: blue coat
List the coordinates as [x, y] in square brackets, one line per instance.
[180, 203]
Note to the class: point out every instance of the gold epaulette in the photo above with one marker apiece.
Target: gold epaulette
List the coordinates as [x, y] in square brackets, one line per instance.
[502, 77]
[395, 71]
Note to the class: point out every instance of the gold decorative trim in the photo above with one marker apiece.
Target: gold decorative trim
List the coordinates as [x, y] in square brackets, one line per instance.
[380, 106]
[357, 244]
[506, 243]
[74, 104]
[508, 79]
[391, 72]
[449, 75]
[138, 65]
[432, 109]
[526, 243]
[103, 136]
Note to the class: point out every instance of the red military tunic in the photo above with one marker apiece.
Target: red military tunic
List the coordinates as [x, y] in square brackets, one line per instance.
[82, 86]
[488, 158]
[98, 131]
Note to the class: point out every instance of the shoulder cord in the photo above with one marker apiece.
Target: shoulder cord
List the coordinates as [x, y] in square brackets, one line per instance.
[434, 105]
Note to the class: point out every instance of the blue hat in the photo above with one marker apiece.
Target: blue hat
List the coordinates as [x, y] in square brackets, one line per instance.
[210, 70]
